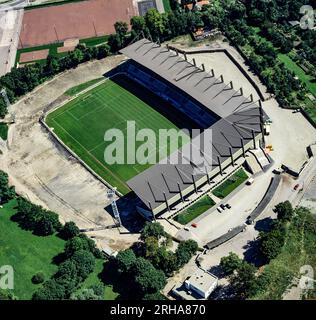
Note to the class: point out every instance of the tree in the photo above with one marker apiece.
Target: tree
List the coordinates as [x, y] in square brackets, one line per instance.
[272, 242]
[147, 279]
[85, 263]
[284, 211]
[153, 229]
[38, 278]
[244, 281]
[69, 231]
[51, 290]
[81, 242]
[6, 192]
[125, 260]
[138, 24]
[230, 263]
[52, 65]
[44, 227]
[154, 296]
[121, 28]
[185, 251]
[155, 23]
[115, 42]
[85, 294]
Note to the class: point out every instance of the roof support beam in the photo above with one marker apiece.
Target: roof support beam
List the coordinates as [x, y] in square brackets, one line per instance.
[232, 156]
[220, 165]
[243, 147]
[180, 191]
[194, 183]
[166, 200]
[254, 139]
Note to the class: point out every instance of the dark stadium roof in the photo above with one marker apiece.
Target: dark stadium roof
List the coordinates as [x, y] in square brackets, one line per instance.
[239, 118]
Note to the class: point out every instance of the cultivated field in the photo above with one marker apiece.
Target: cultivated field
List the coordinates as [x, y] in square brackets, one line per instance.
[82, 123]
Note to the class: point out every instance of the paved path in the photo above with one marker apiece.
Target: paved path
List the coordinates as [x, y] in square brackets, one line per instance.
[11, 16]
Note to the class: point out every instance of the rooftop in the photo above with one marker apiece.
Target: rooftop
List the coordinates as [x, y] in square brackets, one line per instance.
[239, 120]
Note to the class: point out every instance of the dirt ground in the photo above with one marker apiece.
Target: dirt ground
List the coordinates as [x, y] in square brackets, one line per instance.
[34, 55]
[44, 173]
[84, 19]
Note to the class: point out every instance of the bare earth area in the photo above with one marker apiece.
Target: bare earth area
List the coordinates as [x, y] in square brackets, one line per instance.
[84, 19]
[43, 172]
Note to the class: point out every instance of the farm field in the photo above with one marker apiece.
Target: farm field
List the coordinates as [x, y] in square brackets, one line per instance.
[82, 123]
[27, 253]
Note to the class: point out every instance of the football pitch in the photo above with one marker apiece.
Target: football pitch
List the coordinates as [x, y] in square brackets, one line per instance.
[81, 124]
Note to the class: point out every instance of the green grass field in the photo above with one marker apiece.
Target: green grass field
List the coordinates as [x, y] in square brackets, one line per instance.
[94, 278]
[51, 47]
[195, 210]
[82, 123]
[299, 72]
[94, 41]
[230, 184]
[26, 253]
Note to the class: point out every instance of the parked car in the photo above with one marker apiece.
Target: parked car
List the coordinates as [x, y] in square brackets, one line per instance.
[219, 209]
[228, 206]
[223, 206]
[296, 186]
[186, 229]
[194, 225]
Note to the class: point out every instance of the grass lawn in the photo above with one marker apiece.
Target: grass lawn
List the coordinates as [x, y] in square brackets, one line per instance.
[77, 89]
[94, 278]
[94, 41]
[195, 210]
[299, 72]
[4, 131]
[299, 250]
[230, 184]
[166, 4]
[27, 253]
[82, 123]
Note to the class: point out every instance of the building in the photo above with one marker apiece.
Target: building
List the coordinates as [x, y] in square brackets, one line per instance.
[199, 286]
[236, 122]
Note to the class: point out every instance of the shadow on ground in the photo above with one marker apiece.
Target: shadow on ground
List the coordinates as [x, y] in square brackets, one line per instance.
[130, 218]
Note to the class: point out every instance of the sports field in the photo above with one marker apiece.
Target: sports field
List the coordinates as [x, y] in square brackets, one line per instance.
[82, 123]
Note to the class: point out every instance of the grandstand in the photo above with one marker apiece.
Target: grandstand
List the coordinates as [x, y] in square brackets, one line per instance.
[236, 123]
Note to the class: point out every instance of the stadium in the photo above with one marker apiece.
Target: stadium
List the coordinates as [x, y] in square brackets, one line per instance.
[157, 87]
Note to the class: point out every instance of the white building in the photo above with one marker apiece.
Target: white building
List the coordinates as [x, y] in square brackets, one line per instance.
[201, 282]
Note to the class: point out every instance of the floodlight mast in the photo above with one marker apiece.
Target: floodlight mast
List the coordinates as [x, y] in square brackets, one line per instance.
[4, 95]
[111, 197]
